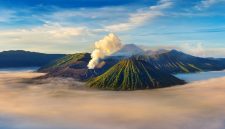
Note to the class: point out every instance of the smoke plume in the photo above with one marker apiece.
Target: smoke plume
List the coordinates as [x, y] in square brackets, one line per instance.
[104, 47]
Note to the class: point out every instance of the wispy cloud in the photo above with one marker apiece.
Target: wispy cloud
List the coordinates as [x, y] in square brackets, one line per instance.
[207, 3]
[199, 49]
[6, 15]
[53, 38]
[220, 29]
[93, 18]
[54, 31]
[141, 16]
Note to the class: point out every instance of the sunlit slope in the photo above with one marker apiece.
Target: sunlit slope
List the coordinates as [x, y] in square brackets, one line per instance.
[132, 74]
[69, 60]
[73, 65]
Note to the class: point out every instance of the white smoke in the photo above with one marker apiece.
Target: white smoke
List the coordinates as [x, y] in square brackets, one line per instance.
[104, 47]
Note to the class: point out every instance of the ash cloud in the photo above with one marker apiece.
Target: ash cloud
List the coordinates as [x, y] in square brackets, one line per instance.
[60, 103]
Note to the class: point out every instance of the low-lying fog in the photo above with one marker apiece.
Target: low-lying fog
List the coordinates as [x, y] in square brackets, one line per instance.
[64, 104]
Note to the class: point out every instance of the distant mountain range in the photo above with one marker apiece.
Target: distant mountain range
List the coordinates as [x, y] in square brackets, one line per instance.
[178, 62]
[171, 62]
[20, 58]
[130, 68]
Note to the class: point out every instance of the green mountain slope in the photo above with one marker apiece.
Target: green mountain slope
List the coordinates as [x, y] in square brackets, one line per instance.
[132, 74]
[68, 61]
[73, 65]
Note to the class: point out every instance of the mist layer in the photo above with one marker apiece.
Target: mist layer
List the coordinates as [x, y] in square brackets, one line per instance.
[59, 103]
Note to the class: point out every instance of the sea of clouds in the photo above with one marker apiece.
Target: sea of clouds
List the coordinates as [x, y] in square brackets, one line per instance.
[60, 103]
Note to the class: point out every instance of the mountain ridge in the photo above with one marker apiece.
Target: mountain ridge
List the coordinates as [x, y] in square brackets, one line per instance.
[178, 62]
[171, 62]
[21, 58]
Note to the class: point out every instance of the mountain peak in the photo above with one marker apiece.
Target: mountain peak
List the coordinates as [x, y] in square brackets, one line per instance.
[128, 50]
[175, 51]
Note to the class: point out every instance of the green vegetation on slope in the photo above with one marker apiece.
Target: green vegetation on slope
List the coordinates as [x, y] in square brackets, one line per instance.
[132, 74]
[66, 61]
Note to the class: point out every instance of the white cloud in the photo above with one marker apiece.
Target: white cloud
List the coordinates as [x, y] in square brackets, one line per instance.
[93, 18]
[207, 3]
[195, 49]
[58, 31]
[163, 4]
[53, 38]
[54, 31]
[198, 49]
[92, 13]
[141, 16]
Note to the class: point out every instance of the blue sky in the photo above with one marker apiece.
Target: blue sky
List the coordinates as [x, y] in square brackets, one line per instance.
[69, 26]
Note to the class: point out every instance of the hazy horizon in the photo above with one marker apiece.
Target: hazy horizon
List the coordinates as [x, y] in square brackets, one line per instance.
[145, 48]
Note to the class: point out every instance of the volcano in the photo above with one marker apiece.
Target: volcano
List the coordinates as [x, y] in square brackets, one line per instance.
[171, 62]
[128, 50]
[133, 74]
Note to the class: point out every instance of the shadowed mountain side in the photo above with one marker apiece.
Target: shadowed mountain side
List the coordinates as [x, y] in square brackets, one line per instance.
[75, 66]
[132, 74]
[178, 62]
[20, 58]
